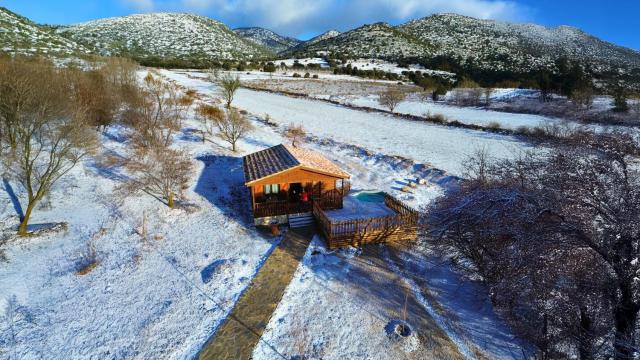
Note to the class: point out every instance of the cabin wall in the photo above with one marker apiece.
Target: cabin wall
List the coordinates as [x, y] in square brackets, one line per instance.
[291, 177]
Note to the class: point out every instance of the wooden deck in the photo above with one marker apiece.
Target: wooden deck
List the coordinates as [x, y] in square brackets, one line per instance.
[403, 225]
[331, 199]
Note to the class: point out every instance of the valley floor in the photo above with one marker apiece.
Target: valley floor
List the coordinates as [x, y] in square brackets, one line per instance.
[163, 291]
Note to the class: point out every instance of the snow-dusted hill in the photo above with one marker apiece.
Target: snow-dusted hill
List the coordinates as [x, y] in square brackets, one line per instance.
[379, 40]
[501, 45]
[19, 35]
[492, 45]
[267, 38]
[164, 35]
[324, 36]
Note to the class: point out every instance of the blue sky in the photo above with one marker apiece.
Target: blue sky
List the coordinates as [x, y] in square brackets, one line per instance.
[612, 20]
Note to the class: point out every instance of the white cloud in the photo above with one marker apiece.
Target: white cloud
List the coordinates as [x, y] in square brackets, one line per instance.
[293, 17]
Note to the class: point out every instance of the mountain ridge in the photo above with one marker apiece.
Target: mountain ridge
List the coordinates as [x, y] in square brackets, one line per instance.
[171, 35]
[267, 38]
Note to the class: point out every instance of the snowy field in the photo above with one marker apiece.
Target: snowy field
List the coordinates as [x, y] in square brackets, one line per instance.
[465, 115]
[382, 65]
[442, 147]
[305, 61]
[159, 297]
[365, 94]
[163, 295]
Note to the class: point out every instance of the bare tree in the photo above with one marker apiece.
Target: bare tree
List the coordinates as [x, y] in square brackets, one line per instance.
[228, 87]
[233, 126]
[99, 98]
[477, 165]
[554, 236]
[46, 134]
[155, 113]
[582, 97]
[391, 98]
[209, 116]
[295, 133]
[158, 171]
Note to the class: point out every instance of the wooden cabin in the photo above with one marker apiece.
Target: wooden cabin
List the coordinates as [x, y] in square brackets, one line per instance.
[286, 181]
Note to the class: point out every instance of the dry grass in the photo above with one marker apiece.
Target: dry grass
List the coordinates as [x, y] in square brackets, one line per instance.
[88, 260]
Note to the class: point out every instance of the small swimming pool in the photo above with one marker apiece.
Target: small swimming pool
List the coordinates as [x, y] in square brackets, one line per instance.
[370, 196]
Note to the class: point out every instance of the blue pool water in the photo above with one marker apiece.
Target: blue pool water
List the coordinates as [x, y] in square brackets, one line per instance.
[370, 196]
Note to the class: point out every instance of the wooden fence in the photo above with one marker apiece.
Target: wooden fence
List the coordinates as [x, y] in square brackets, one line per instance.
[403, 225]
[277, 208]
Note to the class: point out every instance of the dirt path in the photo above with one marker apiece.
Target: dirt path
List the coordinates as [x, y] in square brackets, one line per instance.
[436, 344]
[241, 331]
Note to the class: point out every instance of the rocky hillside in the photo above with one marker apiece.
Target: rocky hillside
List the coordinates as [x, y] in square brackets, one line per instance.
[19, 35]
[164, 35]
[324, 36]
[501, 45]
[267, 38]
[378, 40]
[487, 44]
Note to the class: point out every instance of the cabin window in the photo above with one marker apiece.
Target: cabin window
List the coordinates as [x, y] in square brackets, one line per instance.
[272, 189]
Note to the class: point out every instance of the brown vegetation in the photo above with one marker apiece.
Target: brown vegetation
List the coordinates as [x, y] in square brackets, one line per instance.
[553, 236]
[295, 133]
[233, 126]
[391, 98]
[44, 127]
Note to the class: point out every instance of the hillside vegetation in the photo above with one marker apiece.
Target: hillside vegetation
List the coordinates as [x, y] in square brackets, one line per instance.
[19, 35]
[267, 38]
[164, 36]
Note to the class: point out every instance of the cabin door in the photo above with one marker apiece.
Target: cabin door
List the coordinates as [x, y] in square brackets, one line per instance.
[295, 190]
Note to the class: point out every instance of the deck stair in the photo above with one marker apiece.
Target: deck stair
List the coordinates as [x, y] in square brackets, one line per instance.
[301, 220]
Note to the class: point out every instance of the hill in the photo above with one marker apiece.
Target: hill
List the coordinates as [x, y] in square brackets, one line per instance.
[517, 47]
[19, 35]
[267, 38]
[164, 36]
[379, 40]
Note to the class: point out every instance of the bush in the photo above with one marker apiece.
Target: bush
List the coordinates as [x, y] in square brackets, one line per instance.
[270, 67]
[315, 76]
[296, 75]
[494, 125]
[438, 118]
[307, 75]
[620, 103]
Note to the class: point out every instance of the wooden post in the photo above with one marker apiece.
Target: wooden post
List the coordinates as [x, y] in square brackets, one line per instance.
[253, 200]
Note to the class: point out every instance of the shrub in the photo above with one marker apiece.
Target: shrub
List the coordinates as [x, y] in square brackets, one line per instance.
[270, 67]
[315, 76]
[296, 75]
[494, 125]
[307, 75]
[439, 118]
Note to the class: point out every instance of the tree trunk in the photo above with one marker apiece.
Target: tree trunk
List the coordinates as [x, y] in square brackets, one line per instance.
[625, 314]
[24, 222]
[170, 200]
[233, 146]
[584, 341]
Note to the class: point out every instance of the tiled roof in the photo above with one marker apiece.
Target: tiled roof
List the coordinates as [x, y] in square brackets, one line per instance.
[315, 161]
[280, 158]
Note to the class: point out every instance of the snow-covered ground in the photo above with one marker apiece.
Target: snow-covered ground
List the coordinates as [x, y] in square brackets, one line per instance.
[335, 304]
[443, 147]
[386, 66]
[164, 295]
[465, 115]
[354, 209]
[160, 297]
[305, 61]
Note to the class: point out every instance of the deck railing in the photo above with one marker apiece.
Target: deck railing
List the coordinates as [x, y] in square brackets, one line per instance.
[277, 208]
[403, 224]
